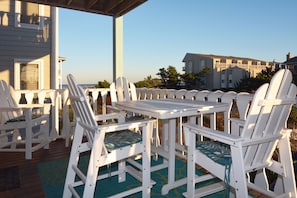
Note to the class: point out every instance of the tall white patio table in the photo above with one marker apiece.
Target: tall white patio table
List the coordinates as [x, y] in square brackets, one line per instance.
[168, 110]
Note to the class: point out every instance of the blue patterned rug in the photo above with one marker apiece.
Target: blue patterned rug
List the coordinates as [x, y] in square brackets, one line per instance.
[53, 175]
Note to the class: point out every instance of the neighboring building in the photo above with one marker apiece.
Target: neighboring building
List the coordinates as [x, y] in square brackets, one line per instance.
[225, 71]
[291, 64]
[28, 45]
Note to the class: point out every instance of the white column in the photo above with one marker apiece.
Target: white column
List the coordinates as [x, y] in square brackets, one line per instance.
[117, 47]
[54, 84]
[54, 79]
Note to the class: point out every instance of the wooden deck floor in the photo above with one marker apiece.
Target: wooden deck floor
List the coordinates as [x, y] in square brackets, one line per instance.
[29, 181]
[27, 170]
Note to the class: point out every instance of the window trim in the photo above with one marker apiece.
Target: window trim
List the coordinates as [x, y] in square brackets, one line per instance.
[17, 77]
[27, 25]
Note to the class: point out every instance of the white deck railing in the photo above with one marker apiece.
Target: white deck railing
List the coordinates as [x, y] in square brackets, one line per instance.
[61, 121]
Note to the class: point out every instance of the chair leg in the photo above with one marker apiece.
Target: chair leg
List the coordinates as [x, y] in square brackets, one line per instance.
[240, 183]
[28, 143]
[191, 164]
[73, 160]
[146, 161]
[45, 136]
[92, 174]
[121, 168]
[286, 160]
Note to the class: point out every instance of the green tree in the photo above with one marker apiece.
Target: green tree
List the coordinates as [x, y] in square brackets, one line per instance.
[170, 78]
[250, 84]
[265, 75]
[149, 82]
[103, 84]
[192, 80]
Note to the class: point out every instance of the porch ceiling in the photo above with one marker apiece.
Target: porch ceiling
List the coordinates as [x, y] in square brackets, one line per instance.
[114, 8]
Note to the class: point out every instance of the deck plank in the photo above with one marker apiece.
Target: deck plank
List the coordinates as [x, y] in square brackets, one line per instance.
[30, 183]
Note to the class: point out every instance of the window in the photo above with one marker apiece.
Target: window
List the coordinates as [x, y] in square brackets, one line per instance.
[254, 63]
[245, 62]
[28, 15]
[28, 74]
[234, 61]
[223, 60]
[202, 63]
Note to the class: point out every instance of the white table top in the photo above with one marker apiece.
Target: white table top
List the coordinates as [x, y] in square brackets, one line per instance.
[171, 108]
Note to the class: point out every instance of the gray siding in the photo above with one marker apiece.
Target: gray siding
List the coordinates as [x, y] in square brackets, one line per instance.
[23, 43]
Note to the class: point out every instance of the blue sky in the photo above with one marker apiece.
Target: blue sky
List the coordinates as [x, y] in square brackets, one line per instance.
[159, 33]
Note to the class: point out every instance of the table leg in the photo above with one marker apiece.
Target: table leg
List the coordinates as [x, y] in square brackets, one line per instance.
[171, 156]
[172, 183]
[165, 132]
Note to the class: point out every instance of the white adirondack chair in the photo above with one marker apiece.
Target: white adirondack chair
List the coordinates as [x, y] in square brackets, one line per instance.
[112, 143]
[23, 127]
[122, 90]
[231, 158]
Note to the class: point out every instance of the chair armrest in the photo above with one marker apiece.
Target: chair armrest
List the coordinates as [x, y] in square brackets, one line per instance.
[34, 105]
[25, 114]
[24, 110]
[112, 108]
[44, 108]
[119, 116]
[126, 125]
[237, 121]
[212, 134]
[10, 109]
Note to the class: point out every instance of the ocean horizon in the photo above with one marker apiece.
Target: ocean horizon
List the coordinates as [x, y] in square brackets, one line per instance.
[83, 85]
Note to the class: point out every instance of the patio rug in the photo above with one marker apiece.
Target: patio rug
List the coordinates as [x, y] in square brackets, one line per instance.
[53, 175]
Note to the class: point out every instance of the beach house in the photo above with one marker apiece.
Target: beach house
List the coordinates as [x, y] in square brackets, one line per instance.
[29, 45]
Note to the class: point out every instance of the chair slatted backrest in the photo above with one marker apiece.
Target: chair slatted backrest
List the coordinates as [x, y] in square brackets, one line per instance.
[81, 107]
[265, 122]
[126, 91]
[7, 100]
[122, 90]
